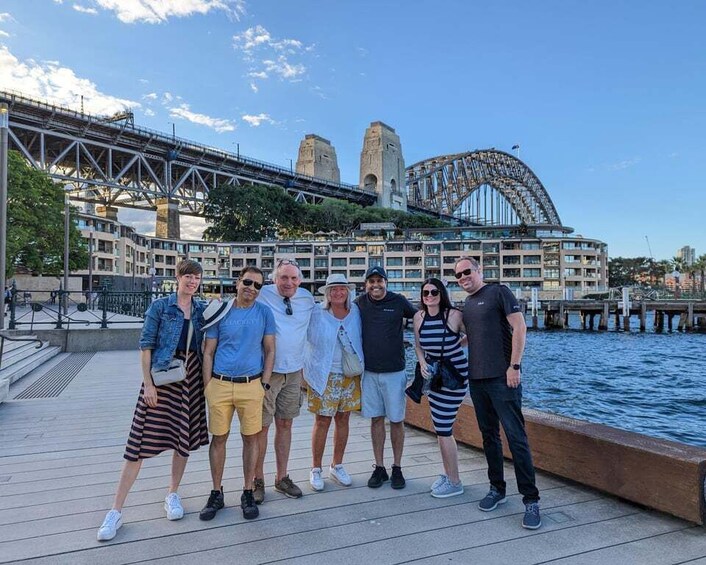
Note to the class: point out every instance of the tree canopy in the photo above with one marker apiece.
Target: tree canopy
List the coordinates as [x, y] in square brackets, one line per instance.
[254, 212]
[35, 222]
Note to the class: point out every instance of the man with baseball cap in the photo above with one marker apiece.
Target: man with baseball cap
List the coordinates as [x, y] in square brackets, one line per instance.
[385, 378]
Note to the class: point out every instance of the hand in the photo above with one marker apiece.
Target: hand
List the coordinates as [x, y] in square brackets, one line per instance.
[150, 395]
[206, 381]
[513, 377]
[424, 368]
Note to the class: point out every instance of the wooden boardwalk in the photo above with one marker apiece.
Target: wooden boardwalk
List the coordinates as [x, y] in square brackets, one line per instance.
[60, 458]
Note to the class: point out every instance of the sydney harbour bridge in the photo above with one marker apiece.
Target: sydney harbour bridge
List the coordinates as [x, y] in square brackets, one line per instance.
[111, 163]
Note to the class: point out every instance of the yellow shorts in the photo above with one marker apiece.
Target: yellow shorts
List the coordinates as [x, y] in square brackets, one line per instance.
[342, 394]
[224, 398]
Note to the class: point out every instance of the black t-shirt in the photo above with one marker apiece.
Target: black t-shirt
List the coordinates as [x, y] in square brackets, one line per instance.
[383, 345]
[489, 333]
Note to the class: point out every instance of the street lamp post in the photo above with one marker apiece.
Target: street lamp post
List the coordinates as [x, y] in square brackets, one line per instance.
[291, 166]
[67, 224]
[4, 127]
[516, 147]
[90, 260]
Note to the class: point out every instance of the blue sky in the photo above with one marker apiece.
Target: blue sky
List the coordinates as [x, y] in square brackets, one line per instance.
[607, 99]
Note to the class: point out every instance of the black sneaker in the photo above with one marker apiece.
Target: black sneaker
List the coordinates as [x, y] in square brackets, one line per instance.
[378, 477]
[214, 504]
[247, 503]
[397, 480]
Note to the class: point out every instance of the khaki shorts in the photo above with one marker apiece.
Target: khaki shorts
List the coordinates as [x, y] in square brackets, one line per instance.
[224, 398]
[342, 394]
[284, 399]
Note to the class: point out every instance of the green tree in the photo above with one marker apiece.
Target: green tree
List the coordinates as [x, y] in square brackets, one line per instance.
[700, 266]
[35, 222]
[627, 271]
[249, 213]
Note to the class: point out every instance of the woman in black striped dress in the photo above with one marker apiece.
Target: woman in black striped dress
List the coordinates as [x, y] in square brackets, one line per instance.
[438, 324]
[172, 416]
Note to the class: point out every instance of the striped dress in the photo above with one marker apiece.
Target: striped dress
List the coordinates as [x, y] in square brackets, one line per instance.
[178, 421]
[444, 404]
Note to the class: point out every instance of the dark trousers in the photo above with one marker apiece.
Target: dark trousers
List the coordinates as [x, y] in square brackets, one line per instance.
[496, 403]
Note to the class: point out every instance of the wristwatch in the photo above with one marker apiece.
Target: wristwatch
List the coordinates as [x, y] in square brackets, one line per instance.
[516, 366]
[265, 385]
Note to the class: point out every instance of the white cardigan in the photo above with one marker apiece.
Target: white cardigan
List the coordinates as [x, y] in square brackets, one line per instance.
[321, 342]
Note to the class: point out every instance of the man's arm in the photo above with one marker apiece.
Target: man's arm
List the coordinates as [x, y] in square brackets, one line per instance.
[268, 346]
[519, 332]
[209, 351]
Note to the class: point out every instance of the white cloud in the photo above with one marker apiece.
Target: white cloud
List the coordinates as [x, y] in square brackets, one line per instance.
[85, 10]
[56, 84]
[159, 11]
[219, 124]
[150, 96]
[258, 74]
[5, 17]
[149, 112]
[254, 87]
[4, 33]
[625, 164]
[283, 68]
[256, 120]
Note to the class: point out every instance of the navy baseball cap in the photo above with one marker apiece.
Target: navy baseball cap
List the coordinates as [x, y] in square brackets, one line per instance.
[376, 270]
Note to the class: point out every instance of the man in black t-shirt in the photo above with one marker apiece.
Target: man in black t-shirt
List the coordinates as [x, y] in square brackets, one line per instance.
[496, 330]
[385, 378]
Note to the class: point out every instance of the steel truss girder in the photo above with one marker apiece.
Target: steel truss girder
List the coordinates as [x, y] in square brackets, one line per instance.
[448, 184]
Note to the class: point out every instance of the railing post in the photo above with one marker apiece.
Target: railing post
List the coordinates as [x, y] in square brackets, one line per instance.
[59, 320]
[104, 307]
[13, 303]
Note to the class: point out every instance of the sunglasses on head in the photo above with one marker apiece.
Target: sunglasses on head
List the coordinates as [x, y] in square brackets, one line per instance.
[287, 262]
[433, 292]
[464, 273]
[250, 282]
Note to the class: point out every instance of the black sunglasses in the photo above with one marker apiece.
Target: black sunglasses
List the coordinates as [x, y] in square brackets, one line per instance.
[464, 273]
[288, 306]
[433, 292]
[250, 282]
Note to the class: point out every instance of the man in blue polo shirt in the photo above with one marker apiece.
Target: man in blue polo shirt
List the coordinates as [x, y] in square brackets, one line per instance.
[238, 359]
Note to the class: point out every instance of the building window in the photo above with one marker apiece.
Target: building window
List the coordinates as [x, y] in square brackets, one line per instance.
[394, 261]
[338, 262]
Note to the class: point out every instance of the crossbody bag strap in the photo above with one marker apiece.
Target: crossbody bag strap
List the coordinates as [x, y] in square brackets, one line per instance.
[190, 334]
[443, 337]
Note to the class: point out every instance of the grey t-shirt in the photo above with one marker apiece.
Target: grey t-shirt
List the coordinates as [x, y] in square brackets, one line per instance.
[489, 333]
[383, 346]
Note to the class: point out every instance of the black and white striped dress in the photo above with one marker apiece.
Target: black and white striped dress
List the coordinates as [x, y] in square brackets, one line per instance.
[444, 404]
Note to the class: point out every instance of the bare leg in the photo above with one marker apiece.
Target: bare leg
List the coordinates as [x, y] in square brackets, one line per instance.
[449, 456]
[318, 439]
[217, 459]
[178, 466]
[250, 452]
[262, 451]
[283, 442]
[340, 436]
[397, 439]
[127, 479]
[377, 433]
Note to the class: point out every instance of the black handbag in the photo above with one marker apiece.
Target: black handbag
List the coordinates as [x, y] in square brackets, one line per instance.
[414, 391]
[445, 372]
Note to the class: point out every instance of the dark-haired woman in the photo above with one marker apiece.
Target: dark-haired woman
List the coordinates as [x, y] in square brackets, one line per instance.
[172, 416]
[438, 326]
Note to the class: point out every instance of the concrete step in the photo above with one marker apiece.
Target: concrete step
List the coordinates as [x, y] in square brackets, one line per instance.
[34, 359]
[20, 350]
[11, 346]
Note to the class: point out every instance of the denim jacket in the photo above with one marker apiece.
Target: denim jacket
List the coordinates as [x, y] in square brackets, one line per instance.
[162, 329]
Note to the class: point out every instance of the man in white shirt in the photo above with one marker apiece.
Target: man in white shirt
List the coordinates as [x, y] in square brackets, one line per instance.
[292, 307]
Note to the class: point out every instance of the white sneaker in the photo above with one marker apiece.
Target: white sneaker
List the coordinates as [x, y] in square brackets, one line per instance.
[338, 474]
[110, 526]
[173, 507]
[315, 479]
[438, 482]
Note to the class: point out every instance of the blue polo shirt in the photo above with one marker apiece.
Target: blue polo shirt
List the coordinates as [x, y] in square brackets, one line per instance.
[239, 351]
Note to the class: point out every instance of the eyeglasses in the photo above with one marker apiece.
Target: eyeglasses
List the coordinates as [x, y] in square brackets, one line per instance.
[433, 292]
[288, 306]
[465, 273]
[250, 282]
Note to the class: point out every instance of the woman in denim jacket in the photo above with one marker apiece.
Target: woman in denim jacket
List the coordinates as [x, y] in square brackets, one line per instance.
[172, 416]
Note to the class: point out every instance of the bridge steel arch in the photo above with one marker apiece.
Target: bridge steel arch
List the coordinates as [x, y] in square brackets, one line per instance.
[481, 187]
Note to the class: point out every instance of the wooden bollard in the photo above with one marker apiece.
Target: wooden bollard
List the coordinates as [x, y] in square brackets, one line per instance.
[643, 317]
[603, 322]
[690, 316]
[626, 323]
[669, 321]
[562, 318]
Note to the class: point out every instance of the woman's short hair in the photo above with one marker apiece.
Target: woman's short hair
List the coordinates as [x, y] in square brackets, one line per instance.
[189, 267]
[444, 300]
[326, 302]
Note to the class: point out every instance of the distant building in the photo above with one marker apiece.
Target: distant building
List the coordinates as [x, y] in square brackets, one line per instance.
[688, 255]
[520, 258]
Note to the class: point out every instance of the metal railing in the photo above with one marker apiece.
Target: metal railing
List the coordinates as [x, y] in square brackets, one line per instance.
[63, 309]
[8, 338]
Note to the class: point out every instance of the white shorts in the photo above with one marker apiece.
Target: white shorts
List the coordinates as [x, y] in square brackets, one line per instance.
[383, 395]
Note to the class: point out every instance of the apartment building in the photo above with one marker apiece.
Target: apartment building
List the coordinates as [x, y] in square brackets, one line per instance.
[522, 258]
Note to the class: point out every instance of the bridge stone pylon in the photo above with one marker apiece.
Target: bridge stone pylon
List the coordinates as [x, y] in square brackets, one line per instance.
[382, 166]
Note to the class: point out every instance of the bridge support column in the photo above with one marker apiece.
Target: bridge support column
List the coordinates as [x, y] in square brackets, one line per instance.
[168, 219]
[690, 316]
[626, 323]
[107, 212]
[562, 316]
[659, 321]
[317, 158]
[643, 317]
[382, 166]
[669, 320]
[681, 326]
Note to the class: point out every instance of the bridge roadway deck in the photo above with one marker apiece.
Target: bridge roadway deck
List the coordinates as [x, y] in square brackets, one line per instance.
[60, 458]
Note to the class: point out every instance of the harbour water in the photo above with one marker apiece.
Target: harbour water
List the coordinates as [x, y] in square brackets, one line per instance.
[653, 384]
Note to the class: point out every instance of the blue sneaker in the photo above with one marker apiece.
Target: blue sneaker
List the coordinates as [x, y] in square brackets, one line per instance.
[448, 489]
[491, 500]
[531, 519]
[438, 482]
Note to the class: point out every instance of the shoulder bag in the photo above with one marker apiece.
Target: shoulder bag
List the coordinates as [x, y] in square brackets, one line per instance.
[350, 362]
[176, 372]
[446, 374]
